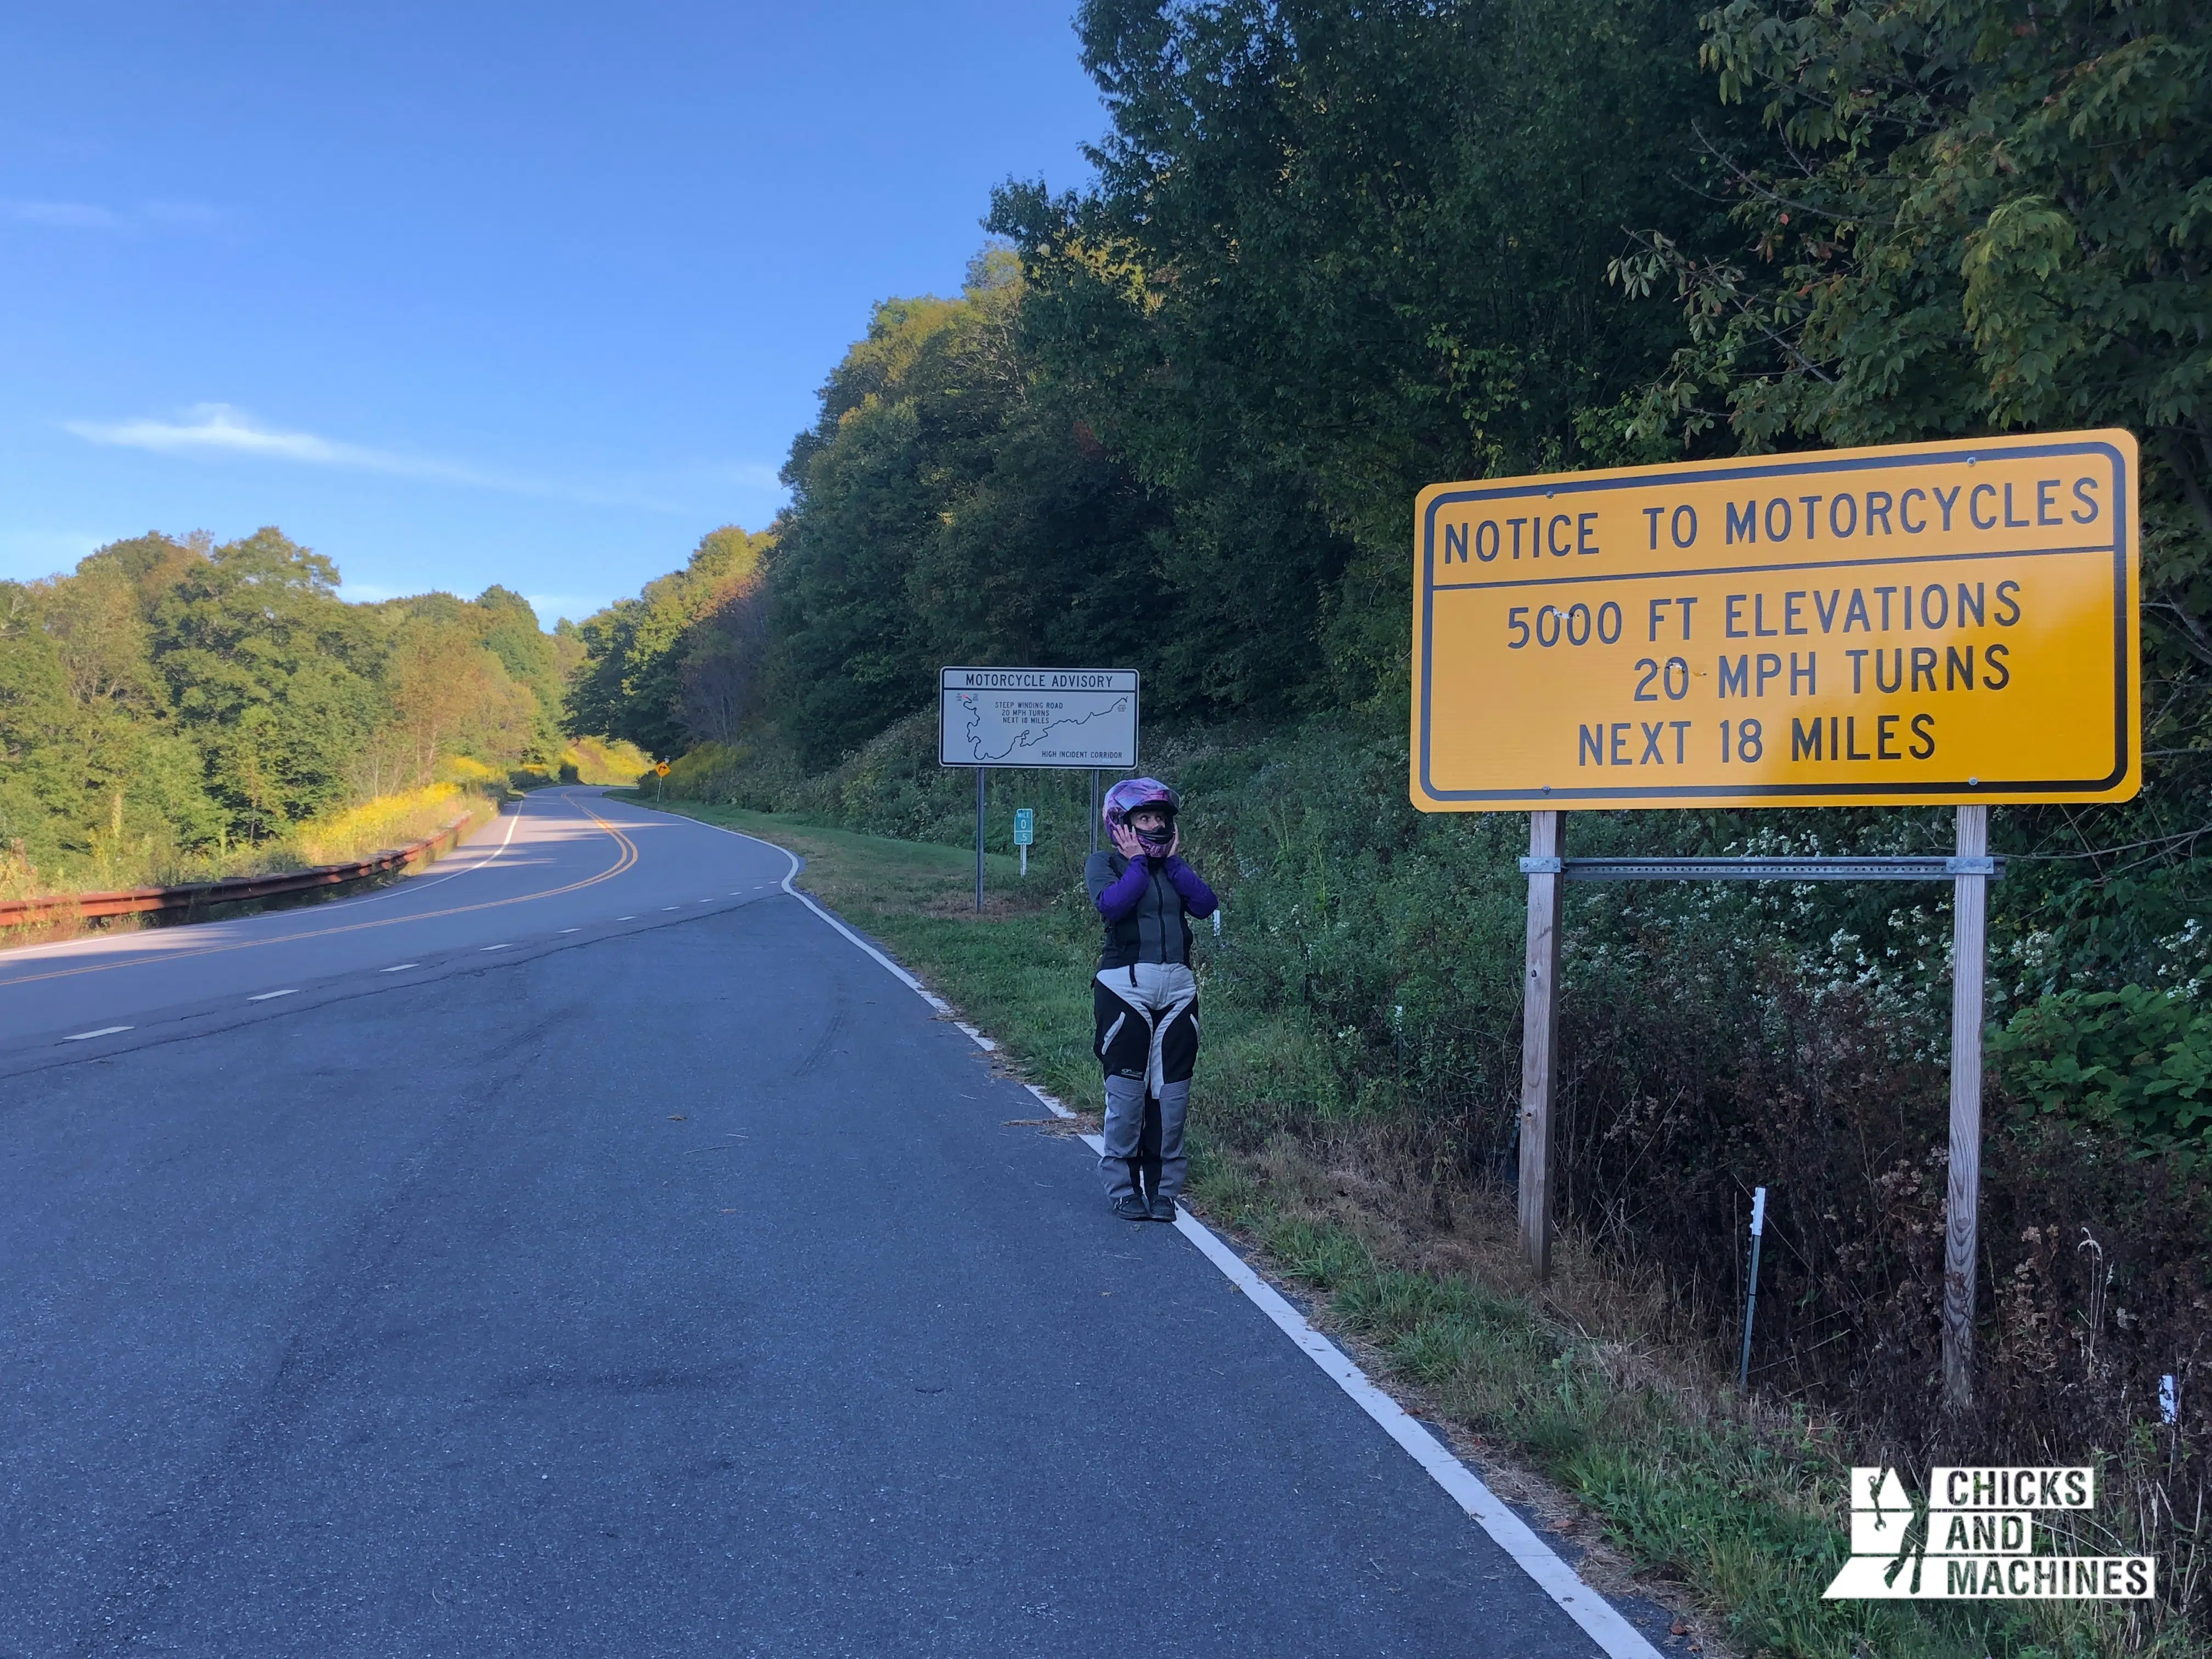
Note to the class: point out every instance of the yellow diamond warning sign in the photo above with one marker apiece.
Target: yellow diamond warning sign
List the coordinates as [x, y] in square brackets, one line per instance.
[1919, 624]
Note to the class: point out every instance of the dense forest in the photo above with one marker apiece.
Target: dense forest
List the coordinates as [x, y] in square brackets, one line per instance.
[1335, 253]
[1176, 419]
[172, 703]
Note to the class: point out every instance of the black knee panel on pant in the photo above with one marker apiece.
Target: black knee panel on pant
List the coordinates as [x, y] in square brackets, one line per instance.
[1179, 1047]
[1124, 1040]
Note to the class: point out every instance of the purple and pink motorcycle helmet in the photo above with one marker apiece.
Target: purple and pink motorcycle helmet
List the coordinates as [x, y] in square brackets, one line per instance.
[1131, 794]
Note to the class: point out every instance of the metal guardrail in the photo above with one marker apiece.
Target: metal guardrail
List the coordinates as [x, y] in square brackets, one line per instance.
[1933, 867]
[198, 896]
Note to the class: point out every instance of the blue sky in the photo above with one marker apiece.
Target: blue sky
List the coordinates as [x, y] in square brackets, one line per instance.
[465, 294]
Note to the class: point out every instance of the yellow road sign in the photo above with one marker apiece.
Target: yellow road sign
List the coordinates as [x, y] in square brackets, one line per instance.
[1909, 625]
[661, 769]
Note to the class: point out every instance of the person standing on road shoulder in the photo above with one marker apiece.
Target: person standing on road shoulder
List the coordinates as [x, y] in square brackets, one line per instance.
[1145, 996]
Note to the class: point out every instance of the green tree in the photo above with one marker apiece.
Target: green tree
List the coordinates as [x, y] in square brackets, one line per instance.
[1338, 254]
[532, 658]
[948, 505]
[272, 675]
[630, 684]
[1969, 216]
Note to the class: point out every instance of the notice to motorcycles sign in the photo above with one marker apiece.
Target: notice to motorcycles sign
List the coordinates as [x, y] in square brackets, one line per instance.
[1064, 717]
[1924, 624]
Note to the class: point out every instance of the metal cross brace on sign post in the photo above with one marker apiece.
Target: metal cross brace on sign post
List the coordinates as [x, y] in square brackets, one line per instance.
[1922, 624]
[1970, 871]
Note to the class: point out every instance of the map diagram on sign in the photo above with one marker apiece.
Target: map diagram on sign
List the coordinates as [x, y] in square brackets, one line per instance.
[1076, 718]
[1008, 726]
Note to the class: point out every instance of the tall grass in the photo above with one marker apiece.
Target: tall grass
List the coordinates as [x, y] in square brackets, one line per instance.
[341, 837]
[386, 823]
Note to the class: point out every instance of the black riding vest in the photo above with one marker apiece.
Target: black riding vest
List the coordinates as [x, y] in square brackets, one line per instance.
[1157, 930]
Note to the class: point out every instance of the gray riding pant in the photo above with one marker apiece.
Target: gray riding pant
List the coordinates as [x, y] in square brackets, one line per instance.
[1147, 1041]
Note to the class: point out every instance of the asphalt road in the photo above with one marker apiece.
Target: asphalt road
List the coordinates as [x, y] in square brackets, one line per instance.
[669, 1281]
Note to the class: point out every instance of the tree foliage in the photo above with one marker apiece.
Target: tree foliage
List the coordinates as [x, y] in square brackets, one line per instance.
[1337, 253]
[171, 696]
[1969, 217]
[637, 652]
[1334, 254]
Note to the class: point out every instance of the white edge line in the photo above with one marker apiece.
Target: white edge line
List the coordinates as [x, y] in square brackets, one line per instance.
[104, 1031]
[1050, 1102]
[1597, 1617]
[890, 967]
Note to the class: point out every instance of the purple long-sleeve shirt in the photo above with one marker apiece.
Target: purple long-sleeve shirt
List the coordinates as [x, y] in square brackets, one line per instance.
[1116, 901]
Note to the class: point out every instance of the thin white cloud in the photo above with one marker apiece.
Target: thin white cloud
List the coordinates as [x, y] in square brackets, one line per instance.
[221, 430]
[70, 215]
[92, 216]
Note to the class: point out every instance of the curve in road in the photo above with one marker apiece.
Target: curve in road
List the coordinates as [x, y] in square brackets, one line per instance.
[641, 1272]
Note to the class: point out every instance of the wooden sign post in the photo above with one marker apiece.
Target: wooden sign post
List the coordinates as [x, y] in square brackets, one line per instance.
[1953, 624]
[1540, 1040]
[1962, 1201]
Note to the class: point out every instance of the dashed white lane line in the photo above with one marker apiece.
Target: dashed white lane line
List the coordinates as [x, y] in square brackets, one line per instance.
[398, 967]
[705, 901]
[625, 918]
[498, 947]
[672, 907]
[271, 996]
[104, 1031]
[1599, 1618]
[572, 930]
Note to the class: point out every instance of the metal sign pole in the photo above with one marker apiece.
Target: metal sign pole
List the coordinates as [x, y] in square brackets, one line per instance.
[1094, 809]
[1751, 1298]
[1539, 1040]
[1969, 871]
[1962, 1199]
[978, 838]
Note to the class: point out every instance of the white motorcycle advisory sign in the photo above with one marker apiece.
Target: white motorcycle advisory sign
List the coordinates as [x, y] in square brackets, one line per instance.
[1080, 718]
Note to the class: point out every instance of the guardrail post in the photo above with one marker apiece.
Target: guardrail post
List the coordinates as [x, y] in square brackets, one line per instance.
[1962, 1197]
[1539, 1042]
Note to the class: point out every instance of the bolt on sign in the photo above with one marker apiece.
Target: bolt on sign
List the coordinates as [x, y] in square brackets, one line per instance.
[1907, 625]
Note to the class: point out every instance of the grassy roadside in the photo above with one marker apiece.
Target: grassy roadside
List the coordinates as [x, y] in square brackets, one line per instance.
[1733, 1511]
